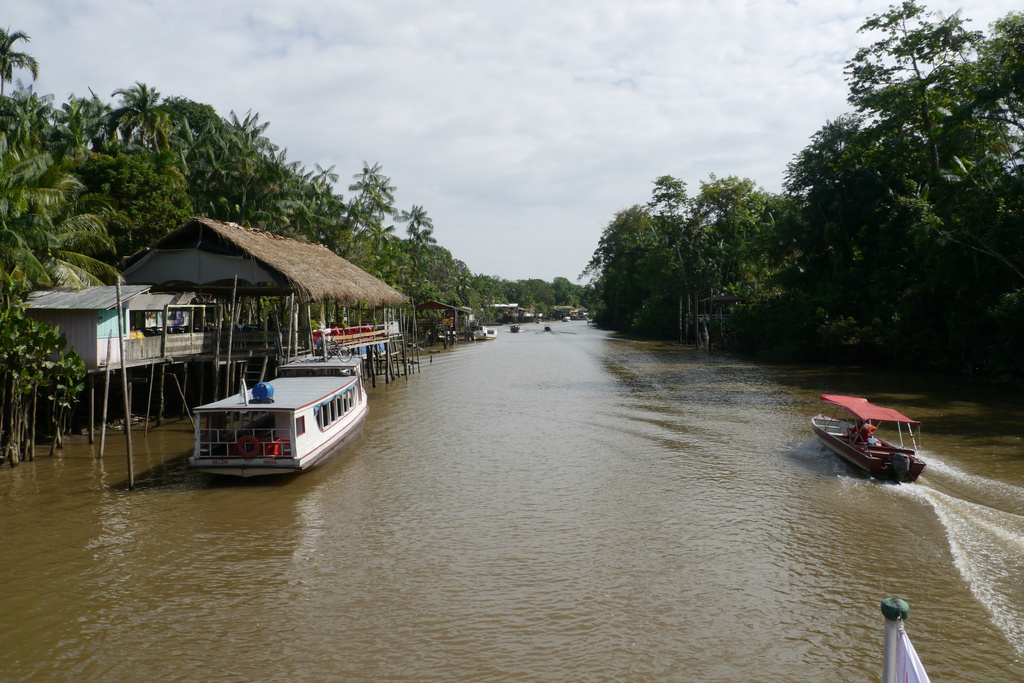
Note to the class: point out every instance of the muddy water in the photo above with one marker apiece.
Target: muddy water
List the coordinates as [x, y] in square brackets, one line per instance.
[542, 507]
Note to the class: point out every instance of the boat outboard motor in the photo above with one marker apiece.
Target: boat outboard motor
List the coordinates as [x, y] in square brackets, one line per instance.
[900, 465]
[263, 393]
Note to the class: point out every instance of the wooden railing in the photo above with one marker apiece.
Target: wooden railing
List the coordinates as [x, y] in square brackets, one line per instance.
[190, 344]
[350, 338]
[177, 345]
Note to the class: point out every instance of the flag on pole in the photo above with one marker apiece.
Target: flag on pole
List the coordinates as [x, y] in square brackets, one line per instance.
[909, 668]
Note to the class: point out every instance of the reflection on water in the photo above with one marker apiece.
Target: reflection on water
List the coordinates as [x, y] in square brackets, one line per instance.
[545, 506]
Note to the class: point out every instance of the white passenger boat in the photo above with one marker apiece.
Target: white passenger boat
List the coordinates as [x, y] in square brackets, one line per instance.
[312, 410]
[484, 333]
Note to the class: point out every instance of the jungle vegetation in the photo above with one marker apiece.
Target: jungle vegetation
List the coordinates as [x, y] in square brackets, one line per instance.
[898, 236]
[89, 181]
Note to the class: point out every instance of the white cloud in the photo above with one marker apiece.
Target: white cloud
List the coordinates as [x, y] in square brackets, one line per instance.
[521, 126]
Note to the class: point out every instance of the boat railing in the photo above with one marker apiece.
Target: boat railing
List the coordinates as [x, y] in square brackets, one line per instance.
[246, 442]
[832, 425]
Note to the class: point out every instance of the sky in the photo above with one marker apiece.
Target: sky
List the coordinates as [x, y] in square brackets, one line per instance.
[521, 126]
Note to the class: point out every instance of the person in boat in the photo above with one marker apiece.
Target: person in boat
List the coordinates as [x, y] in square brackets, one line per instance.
[866, 433]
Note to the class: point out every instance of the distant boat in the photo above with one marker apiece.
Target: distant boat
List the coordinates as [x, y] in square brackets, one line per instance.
[484, 333]
[565, 319]
[311, 411]
[846, 425]
[513, 328]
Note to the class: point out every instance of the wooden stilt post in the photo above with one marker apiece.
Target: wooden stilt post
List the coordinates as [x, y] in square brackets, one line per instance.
[30, 445]
[308, 318]
[231, 338]
[184, 390]
[124, 390]
[403, 329]
[370, 352]
[161, 402]
[149, 397]
[416, 338]
[216, 354]
[180, 391]
[202, 385]
[680, 319]
[92, 407]
[106, 402]
[293, 337]
[392, 357]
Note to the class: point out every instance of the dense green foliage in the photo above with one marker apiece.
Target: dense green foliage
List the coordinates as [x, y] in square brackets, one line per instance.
[88, 183]
[899, 236]
[33, 369]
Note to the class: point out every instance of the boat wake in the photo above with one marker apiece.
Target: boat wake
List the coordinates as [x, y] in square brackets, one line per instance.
[986, 539]
[820, 461]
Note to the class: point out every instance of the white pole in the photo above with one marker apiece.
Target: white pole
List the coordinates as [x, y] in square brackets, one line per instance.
[895, 611]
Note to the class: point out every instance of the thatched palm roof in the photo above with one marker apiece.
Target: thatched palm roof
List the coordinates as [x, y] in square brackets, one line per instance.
[208, 254]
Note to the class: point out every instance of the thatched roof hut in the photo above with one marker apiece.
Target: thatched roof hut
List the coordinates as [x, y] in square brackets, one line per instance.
[207, 255]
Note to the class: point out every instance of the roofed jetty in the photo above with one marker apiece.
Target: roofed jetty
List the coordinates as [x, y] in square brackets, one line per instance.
[227, 303]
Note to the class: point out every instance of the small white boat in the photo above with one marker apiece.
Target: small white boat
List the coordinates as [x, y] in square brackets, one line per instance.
[484, 333]
[311, 411]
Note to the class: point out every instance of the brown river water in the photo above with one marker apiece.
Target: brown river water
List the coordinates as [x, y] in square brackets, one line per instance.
[547, 506]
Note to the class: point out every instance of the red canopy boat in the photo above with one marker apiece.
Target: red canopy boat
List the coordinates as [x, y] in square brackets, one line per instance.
[846, 425]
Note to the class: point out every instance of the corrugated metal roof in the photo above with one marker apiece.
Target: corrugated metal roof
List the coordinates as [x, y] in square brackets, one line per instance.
[156, 302]
[90, 298]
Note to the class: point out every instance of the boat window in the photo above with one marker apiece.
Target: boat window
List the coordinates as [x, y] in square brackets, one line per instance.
[300, 425]
[334, 408]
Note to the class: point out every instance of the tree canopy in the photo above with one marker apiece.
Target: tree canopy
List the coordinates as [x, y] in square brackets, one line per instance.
[899, 234]
[88, 182]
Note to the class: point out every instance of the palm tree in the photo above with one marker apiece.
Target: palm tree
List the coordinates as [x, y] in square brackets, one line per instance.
[141, 117]
[79, 127]
[50, 230]
[245, 177]
[26, 118]
[420, 227]
[11, 60]
[376, 197]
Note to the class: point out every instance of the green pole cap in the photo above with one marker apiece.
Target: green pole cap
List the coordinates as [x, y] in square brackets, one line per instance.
[894, 607]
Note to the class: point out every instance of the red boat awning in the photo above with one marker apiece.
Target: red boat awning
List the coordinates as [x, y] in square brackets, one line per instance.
[860, 408]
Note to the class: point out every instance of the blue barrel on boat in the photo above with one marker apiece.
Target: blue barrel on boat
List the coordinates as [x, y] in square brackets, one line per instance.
[264, 391]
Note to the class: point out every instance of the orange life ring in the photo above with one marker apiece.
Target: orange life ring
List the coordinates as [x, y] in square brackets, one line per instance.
[248, 446]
